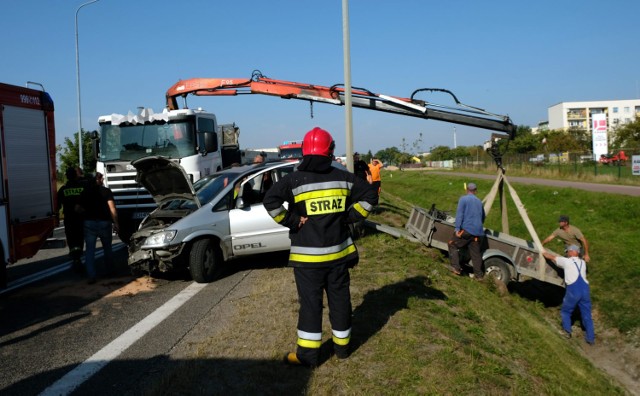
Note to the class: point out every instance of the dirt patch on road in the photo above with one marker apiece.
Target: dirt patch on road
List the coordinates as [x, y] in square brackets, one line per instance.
[136, 286]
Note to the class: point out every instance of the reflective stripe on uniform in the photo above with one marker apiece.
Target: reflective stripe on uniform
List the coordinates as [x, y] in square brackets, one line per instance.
[334, 203]
[362, 207]
[309, 340]
[330, 192]
[323, 198]
[278, 214]
[339, 185]
[341, 341]
[304, 258]
[322, 250]
[341, 337]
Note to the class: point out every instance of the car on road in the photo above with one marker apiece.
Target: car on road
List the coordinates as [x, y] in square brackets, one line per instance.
[203, 224]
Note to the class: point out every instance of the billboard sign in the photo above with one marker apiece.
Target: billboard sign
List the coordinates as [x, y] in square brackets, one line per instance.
[599, 134]
[635, 165]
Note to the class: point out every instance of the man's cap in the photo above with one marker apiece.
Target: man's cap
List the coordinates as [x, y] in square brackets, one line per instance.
[563, 218]
[574, 248]
[472, 186]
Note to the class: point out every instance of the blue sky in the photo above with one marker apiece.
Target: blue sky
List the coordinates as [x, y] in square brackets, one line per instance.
[508, 57]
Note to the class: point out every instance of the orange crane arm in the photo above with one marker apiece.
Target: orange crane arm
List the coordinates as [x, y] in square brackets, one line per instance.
[258, 84]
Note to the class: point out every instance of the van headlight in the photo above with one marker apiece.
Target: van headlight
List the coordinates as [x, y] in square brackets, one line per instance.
[159, 239]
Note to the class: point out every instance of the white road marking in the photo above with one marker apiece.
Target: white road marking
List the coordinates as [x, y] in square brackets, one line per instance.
[95, 363]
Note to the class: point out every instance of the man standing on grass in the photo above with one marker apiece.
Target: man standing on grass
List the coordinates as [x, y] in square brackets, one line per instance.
[469, 231]
[321, 199]
[570, 235]
[577, 292]
[374, 169]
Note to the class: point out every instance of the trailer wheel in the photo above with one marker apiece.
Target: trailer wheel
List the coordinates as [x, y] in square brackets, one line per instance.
[203, 261]
[498, 269]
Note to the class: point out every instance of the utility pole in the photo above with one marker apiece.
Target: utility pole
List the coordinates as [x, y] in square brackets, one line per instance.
[78, 85]
[455, 144]
[347, 85]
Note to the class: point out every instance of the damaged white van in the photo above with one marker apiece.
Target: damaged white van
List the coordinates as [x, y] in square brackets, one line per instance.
[199, 225]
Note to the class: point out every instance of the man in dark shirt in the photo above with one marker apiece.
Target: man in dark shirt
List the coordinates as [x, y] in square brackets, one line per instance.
[100, 220]
[361, 168]
[68, 197]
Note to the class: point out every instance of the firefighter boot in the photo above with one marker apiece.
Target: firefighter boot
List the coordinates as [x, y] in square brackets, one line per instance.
[292, 359]
[341, 351]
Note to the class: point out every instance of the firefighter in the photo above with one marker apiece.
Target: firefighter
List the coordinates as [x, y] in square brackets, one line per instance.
[68, 197]
[321, 199]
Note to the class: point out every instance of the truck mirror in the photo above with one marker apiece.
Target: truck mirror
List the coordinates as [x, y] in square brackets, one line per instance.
[95, 144]
[210, 142]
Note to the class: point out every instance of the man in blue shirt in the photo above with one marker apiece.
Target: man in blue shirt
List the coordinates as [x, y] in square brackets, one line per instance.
[469, 232]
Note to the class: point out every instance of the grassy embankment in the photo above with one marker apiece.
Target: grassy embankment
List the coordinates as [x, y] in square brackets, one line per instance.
[419, 330]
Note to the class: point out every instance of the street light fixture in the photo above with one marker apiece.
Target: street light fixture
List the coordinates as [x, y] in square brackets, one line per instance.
[78, 85]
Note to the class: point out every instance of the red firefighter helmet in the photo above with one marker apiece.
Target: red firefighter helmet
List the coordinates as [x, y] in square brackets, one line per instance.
[318, 142]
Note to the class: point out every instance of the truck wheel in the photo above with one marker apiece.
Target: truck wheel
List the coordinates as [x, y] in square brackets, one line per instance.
[498, 269]
[203, 261]
[3, 274]
[3, 270]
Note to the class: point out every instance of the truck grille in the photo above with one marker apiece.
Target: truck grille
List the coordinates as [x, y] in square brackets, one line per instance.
[127, 193]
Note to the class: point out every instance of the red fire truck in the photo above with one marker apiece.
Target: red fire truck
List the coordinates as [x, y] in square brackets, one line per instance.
[28, 173]
[290, 149]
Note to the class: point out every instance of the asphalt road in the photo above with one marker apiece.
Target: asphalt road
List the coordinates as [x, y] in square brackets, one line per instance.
[597, 187]
[60, 335]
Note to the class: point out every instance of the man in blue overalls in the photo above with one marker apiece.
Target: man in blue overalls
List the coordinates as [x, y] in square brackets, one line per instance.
[577, 291]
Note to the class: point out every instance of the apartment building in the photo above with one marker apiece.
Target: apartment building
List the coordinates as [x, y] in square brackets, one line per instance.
[579, 114]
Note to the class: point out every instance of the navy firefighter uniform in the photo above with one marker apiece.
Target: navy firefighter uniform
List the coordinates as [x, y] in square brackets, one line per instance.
[321, 201]
[68, 197]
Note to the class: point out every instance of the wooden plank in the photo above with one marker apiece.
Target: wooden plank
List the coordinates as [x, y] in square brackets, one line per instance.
[523, 213]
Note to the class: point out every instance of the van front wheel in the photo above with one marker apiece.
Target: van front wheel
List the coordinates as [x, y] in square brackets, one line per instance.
[204, 261]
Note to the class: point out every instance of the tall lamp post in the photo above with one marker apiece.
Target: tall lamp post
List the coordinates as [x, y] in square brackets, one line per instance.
[78, 85]
[347, 84]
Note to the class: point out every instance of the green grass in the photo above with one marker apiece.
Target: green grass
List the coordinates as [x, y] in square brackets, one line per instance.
[608, 221]
[422, 331]
[418, 330]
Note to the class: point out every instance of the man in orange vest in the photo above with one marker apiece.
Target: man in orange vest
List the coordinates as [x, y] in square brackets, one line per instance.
[374, 168]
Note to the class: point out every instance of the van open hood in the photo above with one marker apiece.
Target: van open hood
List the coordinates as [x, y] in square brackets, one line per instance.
[164, 179]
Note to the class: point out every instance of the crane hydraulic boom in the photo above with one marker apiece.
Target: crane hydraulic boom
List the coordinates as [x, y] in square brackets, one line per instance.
[258, 84]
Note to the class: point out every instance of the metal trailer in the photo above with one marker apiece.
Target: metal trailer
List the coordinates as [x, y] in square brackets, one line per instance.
[506, 257]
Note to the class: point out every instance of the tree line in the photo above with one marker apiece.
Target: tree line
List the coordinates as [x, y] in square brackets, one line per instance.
[525, 142]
